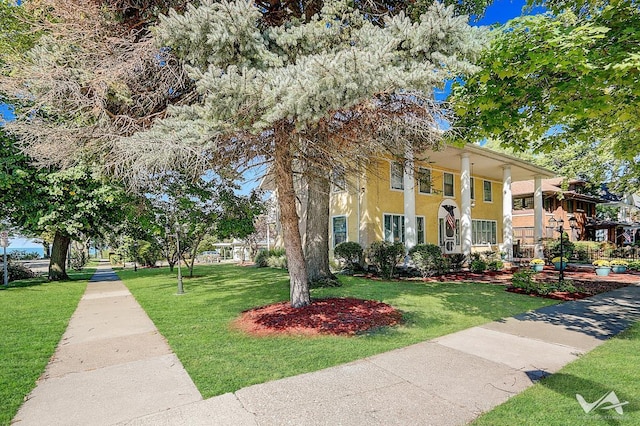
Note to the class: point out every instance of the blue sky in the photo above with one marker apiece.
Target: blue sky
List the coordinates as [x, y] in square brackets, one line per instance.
[499, 12]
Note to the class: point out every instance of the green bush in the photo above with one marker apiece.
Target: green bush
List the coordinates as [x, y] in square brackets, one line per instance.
[16, 271]
[262, 258]
[428, 259]
[277, 262]
[456, 261]
[478, 266]
[350, 253]
[385, 256]
[23, 255]
[78, 259]
[495, 265]
[147, 253]
[552, 248]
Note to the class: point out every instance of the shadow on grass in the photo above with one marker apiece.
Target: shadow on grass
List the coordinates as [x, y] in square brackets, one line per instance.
[601, 316]
[569, 386]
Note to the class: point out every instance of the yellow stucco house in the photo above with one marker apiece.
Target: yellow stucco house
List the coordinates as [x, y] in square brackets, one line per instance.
[458, 198]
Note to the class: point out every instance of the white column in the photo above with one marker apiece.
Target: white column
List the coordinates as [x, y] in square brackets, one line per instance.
[507, 217]
[465, 219]
[537, 216]
[410, 239]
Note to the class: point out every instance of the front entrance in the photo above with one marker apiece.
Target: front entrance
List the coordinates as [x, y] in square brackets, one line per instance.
[449, 227]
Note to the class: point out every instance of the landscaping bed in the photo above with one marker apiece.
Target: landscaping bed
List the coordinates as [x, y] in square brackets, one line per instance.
[337, 316]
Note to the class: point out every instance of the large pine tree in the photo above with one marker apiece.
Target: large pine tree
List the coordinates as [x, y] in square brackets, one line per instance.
[264, 90]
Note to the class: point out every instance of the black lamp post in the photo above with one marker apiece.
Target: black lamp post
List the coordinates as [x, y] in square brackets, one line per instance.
[560, 228]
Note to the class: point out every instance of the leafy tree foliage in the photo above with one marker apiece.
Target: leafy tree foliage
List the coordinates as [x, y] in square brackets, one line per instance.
[70, 203]
[555, 80]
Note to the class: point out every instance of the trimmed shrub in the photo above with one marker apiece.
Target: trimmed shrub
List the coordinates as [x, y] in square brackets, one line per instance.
[428, 259]
[262, 258]
[478, 266]
[456, 261]
[350, 253]
[495, 265]
[16, 271]
[277, 262]
[385, 256]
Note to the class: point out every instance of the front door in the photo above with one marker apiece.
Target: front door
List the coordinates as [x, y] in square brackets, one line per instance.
[449, 227]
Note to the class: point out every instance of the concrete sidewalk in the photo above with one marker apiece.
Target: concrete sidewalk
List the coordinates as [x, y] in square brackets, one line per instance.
[111, 364]
[445, 381]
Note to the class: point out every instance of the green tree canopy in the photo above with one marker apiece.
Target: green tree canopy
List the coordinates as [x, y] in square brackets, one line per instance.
[552, 80]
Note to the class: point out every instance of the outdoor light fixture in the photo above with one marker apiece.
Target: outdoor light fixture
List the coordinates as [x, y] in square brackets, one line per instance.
[558, 225]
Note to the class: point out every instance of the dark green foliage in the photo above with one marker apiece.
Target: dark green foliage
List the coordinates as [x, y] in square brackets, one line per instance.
[478, 266]
[23, 255]
[524, 280]
[428, 259]
[147, 253]
[456, 261]
[78, 259]
[495, 265]
[16, 271]
[350, 253]
[552, 249]
[385, 256]
[263, 256]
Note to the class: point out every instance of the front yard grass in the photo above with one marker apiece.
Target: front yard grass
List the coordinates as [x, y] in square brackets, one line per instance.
[612, 366]
[35, 314]
[220, 359]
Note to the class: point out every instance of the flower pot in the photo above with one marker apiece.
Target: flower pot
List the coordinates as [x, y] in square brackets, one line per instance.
[603, 271]
[537, 268]
[560, 266]
[618, 269]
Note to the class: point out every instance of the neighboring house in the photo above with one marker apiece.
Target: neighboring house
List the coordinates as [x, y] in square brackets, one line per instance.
[624, 227]
[574, 201]
[457, 198]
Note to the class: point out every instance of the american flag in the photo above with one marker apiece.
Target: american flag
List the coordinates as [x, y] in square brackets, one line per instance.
[627, 236]
[451, 219]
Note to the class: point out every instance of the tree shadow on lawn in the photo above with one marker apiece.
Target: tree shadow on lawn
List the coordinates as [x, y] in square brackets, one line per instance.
[601, 316]
[569, 385]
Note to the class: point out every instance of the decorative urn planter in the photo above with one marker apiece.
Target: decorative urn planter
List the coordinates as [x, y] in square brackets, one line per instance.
[603, 271]
[618, 269]
[560, 266]
[537, 268]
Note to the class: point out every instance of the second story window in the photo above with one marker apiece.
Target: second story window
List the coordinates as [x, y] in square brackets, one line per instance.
[424, 181]
[448, 188]
[488, 194]
[397, 175]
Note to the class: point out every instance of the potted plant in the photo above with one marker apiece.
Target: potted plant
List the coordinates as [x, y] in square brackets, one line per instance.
[559, 263]
[537, 264]
[618, 266]
[603, 267]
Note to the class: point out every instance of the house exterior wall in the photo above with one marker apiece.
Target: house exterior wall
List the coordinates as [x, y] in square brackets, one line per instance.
[371, 197]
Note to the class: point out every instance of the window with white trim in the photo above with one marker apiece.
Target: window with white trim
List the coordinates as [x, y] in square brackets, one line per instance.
[394, 230]
[484, 231]
[397, 175]
[339, 229]
[424, 180]
[488, 193]
[448, 187]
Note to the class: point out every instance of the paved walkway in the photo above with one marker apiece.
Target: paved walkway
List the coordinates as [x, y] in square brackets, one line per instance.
[112, 367]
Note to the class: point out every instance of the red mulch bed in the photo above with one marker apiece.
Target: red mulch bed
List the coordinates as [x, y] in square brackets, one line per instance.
[337, 316]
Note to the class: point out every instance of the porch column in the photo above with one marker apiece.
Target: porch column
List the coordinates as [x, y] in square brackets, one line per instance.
[537, 217]
[507, 217]
[465, 219]
[409, 200]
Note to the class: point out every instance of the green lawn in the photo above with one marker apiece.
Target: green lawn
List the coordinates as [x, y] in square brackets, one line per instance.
[220, 359]
[613, 366]
[35, 314]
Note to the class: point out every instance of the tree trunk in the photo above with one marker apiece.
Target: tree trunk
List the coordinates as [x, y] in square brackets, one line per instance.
[58, 261]
[47, 249]
[316, 241]
[283, 165]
